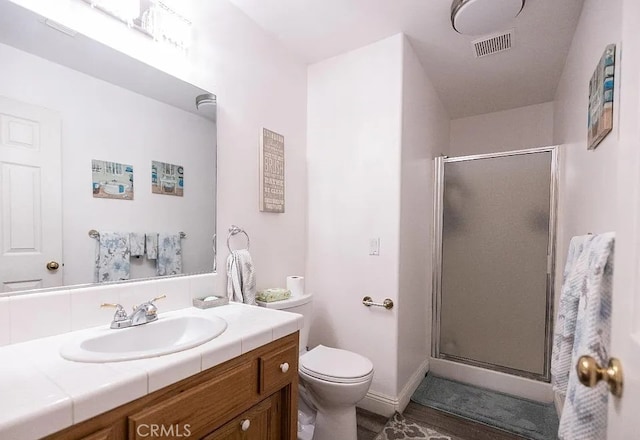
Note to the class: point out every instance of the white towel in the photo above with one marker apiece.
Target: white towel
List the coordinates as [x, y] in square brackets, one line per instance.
[136, 242]
[584, 416]
[565, 325]
[241, 280]
[112, 257]
[152, 245]
[169, 260]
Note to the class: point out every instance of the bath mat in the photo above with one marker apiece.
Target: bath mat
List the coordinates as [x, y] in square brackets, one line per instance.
[527, 418]
[400, 428]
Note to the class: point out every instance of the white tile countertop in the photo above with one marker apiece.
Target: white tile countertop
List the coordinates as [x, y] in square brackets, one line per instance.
[42, 393]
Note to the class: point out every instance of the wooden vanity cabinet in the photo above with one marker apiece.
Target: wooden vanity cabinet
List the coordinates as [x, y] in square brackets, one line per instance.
[253, 396]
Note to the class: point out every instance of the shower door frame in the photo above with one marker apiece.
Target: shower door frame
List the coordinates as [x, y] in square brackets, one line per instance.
[438, 214]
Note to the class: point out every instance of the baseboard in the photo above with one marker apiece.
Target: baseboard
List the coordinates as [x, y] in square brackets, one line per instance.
[412, 384]
[386, 405]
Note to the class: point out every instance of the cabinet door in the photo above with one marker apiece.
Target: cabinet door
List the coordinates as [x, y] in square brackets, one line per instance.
[261, 422]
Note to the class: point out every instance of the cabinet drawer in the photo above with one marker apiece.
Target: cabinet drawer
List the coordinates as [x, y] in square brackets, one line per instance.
[262, 422]
[277, 369]
[200, 409]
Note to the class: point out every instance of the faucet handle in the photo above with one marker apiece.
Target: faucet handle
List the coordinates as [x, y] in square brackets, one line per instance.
[120, 314]
[158, 298]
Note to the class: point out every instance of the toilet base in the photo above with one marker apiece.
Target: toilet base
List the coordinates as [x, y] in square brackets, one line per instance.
[336, 423]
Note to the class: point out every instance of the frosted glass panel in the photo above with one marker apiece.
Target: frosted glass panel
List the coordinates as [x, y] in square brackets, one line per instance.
[495, 236]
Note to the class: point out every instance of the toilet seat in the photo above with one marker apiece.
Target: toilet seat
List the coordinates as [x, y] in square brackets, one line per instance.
[335, 365]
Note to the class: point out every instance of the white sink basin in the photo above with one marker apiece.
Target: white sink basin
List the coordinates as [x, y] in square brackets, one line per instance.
[164, 336]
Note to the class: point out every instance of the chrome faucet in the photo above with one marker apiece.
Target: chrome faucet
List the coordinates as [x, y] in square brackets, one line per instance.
[142, 314]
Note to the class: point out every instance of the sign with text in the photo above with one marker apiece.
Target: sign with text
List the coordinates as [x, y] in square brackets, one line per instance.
[271, 171]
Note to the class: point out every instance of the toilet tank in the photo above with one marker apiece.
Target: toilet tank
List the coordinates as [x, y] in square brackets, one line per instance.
[301, 304]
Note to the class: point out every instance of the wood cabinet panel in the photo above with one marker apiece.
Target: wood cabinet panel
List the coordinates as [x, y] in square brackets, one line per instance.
[195, 410]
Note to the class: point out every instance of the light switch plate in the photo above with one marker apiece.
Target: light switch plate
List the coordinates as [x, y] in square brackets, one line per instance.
[374, 246]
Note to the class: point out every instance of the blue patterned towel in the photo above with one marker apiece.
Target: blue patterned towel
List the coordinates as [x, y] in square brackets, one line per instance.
[584, 416]
[112, 257]
[241, 278]
[565, 326]
[151, 245]
[169, 260]
[137, 242]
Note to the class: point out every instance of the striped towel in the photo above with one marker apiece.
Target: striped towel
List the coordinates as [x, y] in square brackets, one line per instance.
[584, 416]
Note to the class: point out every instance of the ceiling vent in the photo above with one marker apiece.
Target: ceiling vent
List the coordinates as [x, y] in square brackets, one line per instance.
[492, 44]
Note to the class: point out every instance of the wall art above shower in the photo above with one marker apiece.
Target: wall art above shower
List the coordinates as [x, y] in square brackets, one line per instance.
[112, 180]
[167, 179]
[271, 171]
[601, 98]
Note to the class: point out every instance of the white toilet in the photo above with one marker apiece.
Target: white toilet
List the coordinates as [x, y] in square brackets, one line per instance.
[332, 381]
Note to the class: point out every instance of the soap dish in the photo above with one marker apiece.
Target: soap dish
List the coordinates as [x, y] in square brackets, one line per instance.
[203, 303]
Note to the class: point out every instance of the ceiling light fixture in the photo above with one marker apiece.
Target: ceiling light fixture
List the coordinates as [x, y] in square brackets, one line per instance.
[476, 17]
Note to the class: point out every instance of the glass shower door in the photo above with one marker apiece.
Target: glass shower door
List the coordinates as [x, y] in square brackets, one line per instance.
[496, 260]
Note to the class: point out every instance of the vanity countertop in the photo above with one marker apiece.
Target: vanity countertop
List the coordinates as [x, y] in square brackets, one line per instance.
[42, 393]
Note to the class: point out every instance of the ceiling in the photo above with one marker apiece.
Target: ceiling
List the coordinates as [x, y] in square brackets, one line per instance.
[527, 74]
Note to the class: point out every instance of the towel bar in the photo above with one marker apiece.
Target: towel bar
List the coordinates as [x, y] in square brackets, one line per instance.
[387, 303]
[234, 230]
[95, 234]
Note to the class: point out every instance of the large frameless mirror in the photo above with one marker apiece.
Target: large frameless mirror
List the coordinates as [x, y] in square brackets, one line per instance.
[93, 141]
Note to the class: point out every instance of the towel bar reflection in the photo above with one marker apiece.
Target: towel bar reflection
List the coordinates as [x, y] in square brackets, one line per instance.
[95, 234]
[387, 303]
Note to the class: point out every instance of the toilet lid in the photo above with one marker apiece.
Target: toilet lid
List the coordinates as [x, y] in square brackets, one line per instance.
[335, 365]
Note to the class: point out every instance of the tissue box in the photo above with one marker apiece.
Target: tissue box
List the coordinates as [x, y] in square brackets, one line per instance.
[201, 303]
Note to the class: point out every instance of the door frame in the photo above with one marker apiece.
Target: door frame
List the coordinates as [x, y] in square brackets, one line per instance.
[551, 260]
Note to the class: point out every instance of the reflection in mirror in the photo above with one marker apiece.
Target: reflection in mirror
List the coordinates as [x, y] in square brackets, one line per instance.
[108, 144]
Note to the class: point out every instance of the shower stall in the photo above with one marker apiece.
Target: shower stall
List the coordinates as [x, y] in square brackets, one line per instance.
[494, 236]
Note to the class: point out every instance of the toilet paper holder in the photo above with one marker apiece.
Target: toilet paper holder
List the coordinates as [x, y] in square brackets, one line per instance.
[387, 303]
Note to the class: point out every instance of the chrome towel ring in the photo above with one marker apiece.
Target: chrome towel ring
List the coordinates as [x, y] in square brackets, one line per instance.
[234, 230]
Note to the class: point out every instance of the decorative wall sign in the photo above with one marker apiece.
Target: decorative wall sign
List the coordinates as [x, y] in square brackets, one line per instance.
[167, 179]
[112, 180]
[271, 171]
[601, 98]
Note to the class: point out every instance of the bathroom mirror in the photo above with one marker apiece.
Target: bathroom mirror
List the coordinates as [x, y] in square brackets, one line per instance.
[72, 108]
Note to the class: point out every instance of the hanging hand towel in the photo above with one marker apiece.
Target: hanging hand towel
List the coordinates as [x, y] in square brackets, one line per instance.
[241, 280]
[169, 260]
[565, 326]
[584, 416]
[152, 245]
[136, 241]
[112, 257]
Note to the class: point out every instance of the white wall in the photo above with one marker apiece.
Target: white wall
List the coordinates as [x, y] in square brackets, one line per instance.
[105, 122]
[425, 135]
[257, 83]
[375, 123]
[587, 200]
[515, 129]
[353, 150]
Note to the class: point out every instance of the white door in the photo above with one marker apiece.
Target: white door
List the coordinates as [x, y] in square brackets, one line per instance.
[30, 197]
[624, 413]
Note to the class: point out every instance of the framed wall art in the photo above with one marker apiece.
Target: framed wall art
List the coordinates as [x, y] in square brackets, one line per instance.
[271, 171]
[601, 98]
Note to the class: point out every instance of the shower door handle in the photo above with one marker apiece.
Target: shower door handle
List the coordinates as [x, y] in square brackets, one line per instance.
[590, 373]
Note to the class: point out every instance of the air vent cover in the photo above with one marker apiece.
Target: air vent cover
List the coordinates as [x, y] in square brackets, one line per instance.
[493, 44]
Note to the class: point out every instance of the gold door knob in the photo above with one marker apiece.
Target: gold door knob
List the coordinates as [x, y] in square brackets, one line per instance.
[53, 265]
[590, 373]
